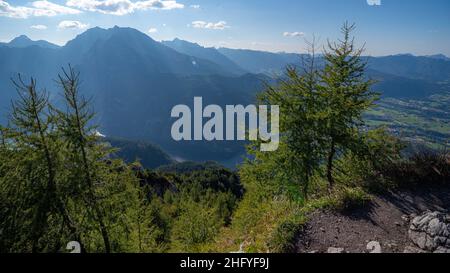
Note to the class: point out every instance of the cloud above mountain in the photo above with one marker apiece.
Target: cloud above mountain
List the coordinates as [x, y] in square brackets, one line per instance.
[293, 34]
[221, 25]
[39, 27]
[36, 8]
[374, 2]
[123, 7]
[72, 25]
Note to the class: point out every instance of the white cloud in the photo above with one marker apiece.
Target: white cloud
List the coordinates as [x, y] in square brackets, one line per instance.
[195, 6]
[152, 30]
[37, 8]
[293, 34]
[374, 2]
[123, 7]
[72, 25]
[46, 8]
[221, 25]
[39, 27]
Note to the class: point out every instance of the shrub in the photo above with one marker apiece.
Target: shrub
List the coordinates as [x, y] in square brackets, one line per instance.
[350, 198]
[283, 238]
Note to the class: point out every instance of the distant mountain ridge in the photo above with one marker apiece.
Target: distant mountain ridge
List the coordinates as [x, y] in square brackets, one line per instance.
[261, 61]
[439, 57]
[135, 81]
[147, 154]
[210, 54]
[414, 67]
[133, 47]
[23, 41]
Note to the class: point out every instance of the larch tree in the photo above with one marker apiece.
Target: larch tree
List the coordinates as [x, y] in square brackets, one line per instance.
[347, 94]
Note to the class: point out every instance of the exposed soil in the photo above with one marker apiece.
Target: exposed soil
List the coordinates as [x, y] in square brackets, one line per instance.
[384, 219]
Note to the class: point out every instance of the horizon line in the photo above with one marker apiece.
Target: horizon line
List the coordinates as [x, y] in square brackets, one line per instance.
[216, 47]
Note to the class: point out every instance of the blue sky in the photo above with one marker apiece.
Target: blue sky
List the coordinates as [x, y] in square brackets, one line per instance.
[421, 27]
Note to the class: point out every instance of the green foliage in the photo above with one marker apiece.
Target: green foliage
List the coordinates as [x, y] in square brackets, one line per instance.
[196, 225]
[350, 198]
[363, 167]
[324, 145]
[205, 203]
[188, 167]
[283, 238]
[301, 120]
[188, 209]
[56, 185]
[347, 96]
[321, 116]
[59, 182]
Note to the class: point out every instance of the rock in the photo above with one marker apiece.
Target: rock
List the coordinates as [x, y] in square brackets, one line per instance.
[411, 249]
[440, 241]
[418, 238]
[392, 245]
[335, 250]
[374, 247]
[405, 218]
[430, 232]
[436, 227]
[240, 251]
[421, 222]
[430, 244]
[442, 250]
[447, 218]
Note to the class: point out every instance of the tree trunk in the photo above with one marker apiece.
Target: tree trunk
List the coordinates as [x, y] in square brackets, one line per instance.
[331, 154]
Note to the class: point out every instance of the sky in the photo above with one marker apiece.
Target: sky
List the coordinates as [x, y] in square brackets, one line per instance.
[419, 27]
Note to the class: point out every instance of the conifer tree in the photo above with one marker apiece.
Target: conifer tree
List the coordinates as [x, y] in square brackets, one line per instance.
[301, 118]
[347, 94]
[33, 137]
[73, 123]
[111, 197]
[58, 182]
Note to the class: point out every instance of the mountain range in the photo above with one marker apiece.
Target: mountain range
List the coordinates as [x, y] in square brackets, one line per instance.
[135, 81]
[23, 41]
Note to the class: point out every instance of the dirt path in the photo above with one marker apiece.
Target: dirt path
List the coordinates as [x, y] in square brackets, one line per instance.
[383, 220]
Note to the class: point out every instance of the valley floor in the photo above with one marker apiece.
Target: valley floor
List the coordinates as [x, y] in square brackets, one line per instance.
[385, 220]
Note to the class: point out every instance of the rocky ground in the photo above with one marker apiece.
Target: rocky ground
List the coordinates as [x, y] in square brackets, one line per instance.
[404, 221]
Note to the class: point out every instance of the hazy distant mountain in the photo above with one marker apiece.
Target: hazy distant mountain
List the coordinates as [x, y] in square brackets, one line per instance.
[413, 67]
[135, 49]
[210, 54]
[149, 155]
[134, 81]
[260, 61]
[401, 87]
[23, 41]
[439, 57]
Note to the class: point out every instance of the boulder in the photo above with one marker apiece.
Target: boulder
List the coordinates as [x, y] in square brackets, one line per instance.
[374, 247]
[430, 232]
[411, 249]
[335, 250]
